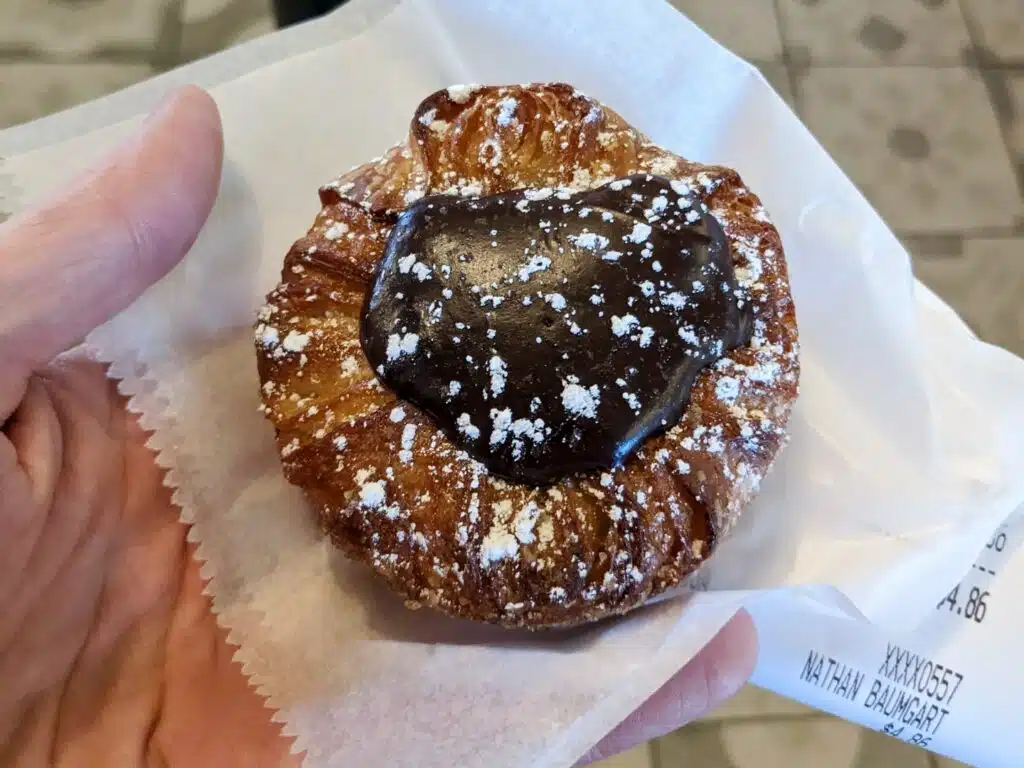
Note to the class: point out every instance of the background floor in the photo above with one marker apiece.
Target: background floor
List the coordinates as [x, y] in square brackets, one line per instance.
[920, 101]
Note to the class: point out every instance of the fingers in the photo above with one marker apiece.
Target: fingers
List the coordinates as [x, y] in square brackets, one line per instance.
[91, 250]
[34, 435]
[713, 676]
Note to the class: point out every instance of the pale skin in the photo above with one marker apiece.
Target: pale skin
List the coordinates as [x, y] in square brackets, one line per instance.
[109, 654]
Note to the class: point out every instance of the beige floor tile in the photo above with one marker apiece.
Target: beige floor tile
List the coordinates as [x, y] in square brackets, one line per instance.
[213, 25]
[1014, 111]
[638, 757]
[925, 246]
[746, 27]
[778, 76]
[76, 28]
[984, 286]
[7, 194]
[808, 743]
[875, 31]
[817, 742]
[923, 144]
[696, 746]
[35, 90]
[880, 751]
[1000, 24]
[752, 701]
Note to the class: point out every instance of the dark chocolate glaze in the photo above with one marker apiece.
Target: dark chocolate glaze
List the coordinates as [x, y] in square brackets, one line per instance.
[548, 332]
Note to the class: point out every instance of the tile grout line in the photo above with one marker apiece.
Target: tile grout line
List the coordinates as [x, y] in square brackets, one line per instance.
[964, 234]
[791, 75]
[144, 54]
[1009, 67]
[979, 53]
[654, 753]
[141, 55]
[767, 719]
[166, 53]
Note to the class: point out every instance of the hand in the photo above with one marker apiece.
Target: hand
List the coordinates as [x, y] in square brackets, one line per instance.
[713, 676]
[109, 654]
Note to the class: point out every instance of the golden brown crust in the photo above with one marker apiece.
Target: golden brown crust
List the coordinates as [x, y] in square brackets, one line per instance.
[390, 488]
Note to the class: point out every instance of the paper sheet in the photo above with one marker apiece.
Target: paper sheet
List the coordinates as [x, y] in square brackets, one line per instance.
[951, 687]
[905, 439]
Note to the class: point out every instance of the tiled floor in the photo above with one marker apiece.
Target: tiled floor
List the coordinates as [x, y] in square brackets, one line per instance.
[920, 101]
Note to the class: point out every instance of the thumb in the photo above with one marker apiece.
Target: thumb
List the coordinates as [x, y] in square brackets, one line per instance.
[711, 677]
[91, 250]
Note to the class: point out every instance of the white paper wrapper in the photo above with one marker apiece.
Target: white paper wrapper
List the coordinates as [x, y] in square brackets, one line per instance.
[905, 439]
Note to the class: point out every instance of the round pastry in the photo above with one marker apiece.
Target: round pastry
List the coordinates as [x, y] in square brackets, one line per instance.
[528, 365]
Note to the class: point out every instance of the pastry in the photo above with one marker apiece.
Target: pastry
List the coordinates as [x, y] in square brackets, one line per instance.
[528, 365]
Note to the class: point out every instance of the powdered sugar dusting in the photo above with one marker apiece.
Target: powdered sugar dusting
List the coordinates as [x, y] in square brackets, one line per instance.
[579, 400]
[460, 94]
[499, 532]
[589, 240]
[295, 341]
[506, 111]
[372, 494]
[401, 345]
[640, 233]
[467, 428]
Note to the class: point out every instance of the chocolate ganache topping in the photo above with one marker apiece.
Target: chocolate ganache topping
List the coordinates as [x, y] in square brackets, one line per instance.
[549, 332]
